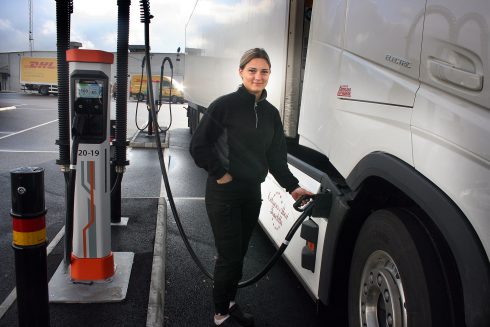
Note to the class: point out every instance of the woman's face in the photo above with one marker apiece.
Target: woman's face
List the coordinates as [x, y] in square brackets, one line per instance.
[255, 75]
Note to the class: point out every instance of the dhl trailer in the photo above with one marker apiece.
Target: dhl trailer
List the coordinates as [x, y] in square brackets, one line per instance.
[39, 74]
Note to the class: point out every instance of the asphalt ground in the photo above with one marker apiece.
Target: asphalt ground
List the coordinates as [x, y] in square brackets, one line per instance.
[28, 129]
[276, 300]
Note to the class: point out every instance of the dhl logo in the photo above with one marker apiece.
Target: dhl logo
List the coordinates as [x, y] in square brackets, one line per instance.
[42, 64]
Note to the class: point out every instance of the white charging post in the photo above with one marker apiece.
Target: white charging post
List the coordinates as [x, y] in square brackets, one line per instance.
[92, 261]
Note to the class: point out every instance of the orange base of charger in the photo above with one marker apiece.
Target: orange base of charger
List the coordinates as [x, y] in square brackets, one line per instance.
[92, 269]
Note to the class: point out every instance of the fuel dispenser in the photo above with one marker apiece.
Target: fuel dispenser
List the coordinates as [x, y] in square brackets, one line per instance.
[91, 257]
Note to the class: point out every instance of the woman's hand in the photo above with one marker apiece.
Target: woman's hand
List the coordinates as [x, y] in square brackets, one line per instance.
[225, 179]
[298, 192]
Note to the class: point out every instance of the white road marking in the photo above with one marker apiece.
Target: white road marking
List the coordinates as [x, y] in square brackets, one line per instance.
[27, 151]
[37, 109]
[8, 108]
[28, 129]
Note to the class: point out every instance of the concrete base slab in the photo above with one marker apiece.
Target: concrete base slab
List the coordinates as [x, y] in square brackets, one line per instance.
[63, 290]
[123, 222]
[142, 140]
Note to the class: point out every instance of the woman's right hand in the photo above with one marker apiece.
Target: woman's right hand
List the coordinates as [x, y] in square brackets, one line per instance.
[225, 179]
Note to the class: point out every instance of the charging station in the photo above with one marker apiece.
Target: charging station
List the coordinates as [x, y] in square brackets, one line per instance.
[92, 258]
[93, 263]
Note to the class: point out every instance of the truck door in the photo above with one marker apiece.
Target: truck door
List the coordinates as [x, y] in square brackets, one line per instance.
[452, 111]
[378, 80]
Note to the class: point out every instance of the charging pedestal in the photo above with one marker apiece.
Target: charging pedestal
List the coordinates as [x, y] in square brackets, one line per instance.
[93, 264]
[92, 258]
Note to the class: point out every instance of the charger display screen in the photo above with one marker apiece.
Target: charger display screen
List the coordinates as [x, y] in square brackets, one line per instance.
[89, 89]
[89, 106]
[88, 96]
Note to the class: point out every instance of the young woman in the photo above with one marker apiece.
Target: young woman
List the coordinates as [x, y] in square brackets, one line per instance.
[238, 141]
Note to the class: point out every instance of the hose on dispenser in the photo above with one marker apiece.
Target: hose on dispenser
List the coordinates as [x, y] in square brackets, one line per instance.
[138, 98]
[166, 59]
[64, 9]
[139, 94]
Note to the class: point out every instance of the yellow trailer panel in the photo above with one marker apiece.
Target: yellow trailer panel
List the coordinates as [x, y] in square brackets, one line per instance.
[37, 70]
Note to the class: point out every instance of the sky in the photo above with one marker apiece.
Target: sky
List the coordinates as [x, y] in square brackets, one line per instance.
[93, 23]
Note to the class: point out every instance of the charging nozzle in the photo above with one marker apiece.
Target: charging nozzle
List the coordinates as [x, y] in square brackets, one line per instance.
[322, 203]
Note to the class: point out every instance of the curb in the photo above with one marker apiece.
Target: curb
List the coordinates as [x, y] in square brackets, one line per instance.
[137, 142]
[156, 298]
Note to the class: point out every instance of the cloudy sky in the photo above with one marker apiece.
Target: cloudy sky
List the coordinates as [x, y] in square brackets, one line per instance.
[94, 24]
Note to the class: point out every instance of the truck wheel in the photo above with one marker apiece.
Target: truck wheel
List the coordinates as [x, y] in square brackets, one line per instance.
[44, 90]
[173, 99]
[395, 278]
[140, 97]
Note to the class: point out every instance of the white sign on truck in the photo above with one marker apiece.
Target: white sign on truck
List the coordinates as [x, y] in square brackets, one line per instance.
[386, 108]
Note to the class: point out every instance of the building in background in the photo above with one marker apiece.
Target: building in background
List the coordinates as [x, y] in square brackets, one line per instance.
[10, 68]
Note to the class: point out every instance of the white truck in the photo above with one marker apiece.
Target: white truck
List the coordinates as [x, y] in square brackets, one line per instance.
[386, 107]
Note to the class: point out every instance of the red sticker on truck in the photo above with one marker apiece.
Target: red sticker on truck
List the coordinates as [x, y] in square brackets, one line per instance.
[344, 91]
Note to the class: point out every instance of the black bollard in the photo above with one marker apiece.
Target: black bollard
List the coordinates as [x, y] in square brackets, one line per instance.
[29, 244]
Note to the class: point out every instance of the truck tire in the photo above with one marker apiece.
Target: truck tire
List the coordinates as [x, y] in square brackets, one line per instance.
[44, 90]
[174, 99]
[396, 279]
[140, 97]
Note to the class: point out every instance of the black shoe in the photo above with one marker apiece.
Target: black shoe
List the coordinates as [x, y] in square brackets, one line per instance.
[229, 322]
[243, 318]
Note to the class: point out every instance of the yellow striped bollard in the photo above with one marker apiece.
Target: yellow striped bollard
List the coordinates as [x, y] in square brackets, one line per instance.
[29, 244]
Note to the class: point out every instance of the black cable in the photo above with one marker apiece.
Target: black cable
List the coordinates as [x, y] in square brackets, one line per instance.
[138, 99]
[122, 82]
[166, 59]
[116, 182]
[64, 9]
[145, 18]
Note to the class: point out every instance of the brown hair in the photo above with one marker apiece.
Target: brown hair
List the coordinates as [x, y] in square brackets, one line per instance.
[253, 54]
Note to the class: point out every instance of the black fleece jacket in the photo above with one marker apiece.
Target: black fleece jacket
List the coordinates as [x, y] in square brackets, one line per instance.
[244, 138]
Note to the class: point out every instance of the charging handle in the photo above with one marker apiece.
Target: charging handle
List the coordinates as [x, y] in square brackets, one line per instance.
[322, 203]
[302, 201]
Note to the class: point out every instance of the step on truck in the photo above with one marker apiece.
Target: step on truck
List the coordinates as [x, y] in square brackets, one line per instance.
[39, 74]
[386, 107]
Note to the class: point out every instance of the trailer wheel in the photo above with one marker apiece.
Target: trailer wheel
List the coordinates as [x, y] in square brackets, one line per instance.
[44, 90]
[395, 278]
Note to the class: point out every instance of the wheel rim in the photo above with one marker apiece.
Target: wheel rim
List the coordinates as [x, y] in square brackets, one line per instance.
[381, 295]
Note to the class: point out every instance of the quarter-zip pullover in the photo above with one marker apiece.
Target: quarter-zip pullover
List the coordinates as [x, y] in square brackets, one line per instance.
[243, 137]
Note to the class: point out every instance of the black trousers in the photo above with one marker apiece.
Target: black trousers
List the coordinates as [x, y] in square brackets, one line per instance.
[233, 210]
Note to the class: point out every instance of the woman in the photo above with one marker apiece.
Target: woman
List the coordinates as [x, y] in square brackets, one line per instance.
[239, 140]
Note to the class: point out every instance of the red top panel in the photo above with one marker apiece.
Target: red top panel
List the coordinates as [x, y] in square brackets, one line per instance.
[96, 56]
